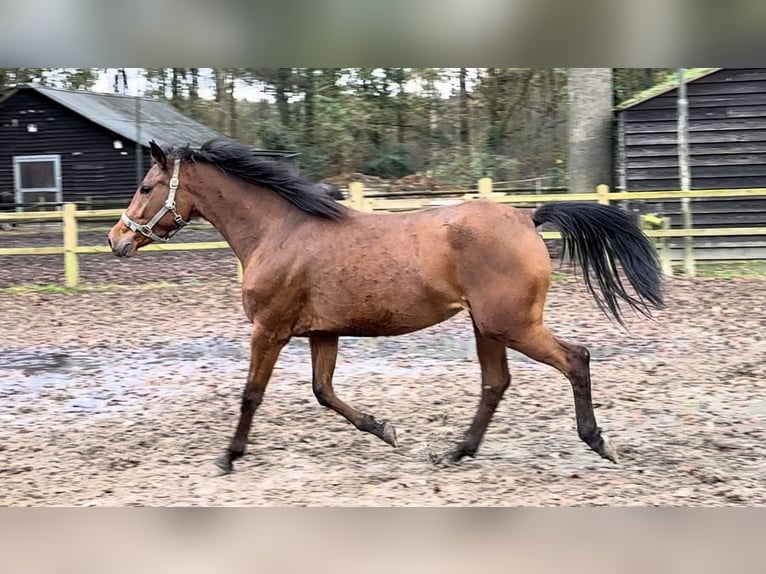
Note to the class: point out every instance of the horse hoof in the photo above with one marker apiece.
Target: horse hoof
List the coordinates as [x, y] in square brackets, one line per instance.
[389, 434]
[459, 453]
[608, 451]
[224, 464]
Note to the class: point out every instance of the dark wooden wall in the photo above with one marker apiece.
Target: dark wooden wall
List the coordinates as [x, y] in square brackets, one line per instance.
[727, 148]
[727, 134]
[90, 166]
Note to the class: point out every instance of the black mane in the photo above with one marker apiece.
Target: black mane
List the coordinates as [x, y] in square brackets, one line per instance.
[243, 162]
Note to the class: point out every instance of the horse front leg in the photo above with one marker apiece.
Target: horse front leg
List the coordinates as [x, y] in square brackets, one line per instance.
[324, 351]
[264, 352]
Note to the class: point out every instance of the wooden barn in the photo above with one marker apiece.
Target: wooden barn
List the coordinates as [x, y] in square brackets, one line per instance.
[727, 150]
[62, 145]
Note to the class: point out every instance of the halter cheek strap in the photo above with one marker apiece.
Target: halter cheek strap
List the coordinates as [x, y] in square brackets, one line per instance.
[170, 206]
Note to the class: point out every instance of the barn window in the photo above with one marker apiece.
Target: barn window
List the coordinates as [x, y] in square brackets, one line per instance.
[117, 144]
[32, 128]
[37, 178]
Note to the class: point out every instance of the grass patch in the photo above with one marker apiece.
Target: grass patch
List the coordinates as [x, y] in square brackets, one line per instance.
[55, 228]
[38, 289]
[730, 269]
[100, 288]
[556, 276]
[201, 226]
[709, 270]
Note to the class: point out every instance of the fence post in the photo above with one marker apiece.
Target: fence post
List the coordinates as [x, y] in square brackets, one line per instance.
[71, 264]
[41, 207]
[356, 191]
[602, 190]
[485, 188]
[538, 190]
[665, 260]
[690, 269]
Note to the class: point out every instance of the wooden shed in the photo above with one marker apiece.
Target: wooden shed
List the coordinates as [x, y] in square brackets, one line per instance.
[63, 145]
[727, 150]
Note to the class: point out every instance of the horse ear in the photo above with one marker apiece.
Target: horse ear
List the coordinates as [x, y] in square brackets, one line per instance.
[158, 155]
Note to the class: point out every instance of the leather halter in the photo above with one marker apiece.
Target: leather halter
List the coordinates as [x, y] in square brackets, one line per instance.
[169, 206]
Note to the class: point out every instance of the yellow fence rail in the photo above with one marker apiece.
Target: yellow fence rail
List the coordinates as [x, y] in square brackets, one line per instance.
[654, 227]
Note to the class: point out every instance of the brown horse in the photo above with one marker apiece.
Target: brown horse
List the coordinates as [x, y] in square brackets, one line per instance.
[396, 273]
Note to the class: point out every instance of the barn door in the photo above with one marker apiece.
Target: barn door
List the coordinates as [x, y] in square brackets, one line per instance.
[37, 178]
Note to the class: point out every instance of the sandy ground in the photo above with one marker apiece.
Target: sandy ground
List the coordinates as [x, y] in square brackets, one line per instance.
[125, 397]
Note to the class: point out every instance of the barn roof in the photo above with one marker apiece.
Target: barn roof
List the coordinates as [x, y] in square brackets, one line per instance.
[160, 121]
[670, 83]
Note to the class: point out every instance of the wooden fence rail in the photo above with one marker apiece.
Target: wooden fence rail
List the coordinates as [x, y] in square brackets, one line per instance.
[654, 226]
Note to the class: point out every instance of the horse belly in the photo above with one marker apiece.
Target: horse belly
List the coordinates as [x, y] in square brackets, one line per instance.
[380, 314]
[391, 322]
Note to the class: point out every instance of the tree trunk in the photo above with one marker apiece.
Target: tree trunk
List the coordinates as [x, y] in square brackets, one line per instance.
[329, 82]
[282, 86]
[492, 140]
[465, 131]
[175, 86]
[162, 78]
[219, 97]
[120, 75]
[309, 125]
[401, 107]
[590, 129]
[431, 95]
[194, 87]
[232, 103]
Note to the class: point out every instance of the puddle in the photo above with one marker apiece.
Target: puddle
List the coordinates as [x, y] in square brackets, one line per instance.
[33, 362]
[105, 381]
[90, 381]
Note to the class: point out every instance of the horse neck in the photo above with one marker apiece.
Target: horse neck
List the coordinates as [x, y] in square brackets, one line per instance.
[244, 214]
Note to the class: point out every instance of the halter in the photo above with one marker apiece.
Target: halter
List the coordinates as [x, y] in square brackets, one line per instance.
[170, 205]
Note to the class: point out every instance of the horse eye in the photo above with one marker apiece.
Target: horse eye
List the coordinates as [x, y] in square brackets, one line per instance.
[145, 189]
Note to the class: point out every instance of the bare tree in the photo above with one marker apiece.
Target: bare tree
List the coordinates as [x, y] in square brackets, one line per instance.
[465, 130]
[590, 128]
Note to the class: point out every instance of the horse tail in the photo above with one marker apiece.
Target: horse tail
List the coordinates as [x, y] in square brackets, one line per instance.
[594, 237]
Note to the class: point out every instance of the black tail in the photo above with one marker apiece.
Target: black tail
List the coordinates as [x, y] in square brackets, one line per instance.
[594, 236]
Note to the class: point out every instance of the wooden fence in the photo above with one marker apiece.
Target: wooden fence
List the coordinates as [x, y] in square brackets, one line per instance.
[655, 227]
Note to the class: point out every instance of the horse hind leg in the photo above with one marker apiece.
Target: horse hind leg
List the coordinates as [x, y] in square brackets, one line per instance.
[573, 361]
[539, 344]
[495, 379]
[324, 352]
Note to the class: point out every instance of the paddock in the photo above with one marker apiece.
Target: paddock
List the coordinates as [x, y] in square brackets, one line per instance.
[102, 407]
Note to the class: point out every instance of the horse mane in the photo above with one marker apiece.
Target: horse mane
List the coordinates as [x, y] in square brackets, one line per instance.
[243, 162]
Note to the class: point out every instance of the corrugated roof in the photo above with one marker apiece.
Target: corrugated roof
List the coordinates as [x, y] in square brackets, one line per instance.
[671, 83]
[160, 121]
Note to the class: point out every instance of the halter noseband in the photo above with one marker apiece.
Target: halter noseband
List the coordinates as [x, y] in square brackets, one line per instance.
[170, 205]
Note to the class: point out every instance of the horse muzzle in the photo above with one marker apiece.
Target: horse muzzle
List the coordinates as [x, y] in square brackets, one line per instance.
[123, 248]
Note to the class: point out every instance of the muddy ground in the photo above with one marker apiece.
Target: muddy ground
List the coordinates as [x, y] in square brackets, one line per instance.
[126, 396]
